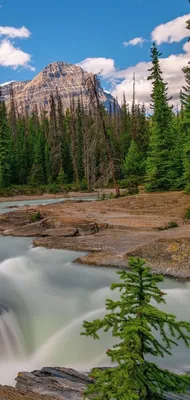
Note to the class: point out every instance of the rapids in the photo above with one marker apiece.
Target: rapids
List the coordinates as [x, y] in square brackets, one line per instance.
[44, 298]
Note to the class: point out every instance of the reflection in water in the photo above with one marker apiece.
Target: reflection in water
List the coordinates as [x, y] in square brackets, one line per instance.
[44, 299]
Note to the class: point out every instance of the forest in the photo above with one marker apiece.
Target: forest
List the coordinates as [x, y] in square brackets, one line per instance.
[86, 148]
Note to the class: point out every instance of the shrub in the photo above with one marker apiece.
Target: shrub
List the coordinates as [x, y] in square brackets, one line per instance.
[83, 185]
[102, 196]
[170, 225]
[112, 196]
[187, 213]
[61, 178]
[36, 217]
[130, 184]
[53, 189]
[187, 189]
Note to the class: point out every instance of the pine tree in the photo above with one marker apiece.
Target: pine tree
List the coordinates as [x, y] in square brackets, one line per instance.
[54, 140]
[61, 178]
[66, 148]
[37, 172]
[133, 112]
[159, 161]
[185, 100]
[133, 166]
[80, 139]
[133, 320]
[93, 88]
[125, 131]
[5, 160]
[143, 134]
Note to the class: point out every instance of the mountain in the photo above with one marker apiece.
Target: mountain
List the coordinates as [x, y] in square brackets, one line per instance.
[69, 80]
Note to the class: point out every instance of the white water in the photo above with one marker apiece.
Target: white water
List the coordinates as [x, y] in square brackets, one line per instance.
[44, 299]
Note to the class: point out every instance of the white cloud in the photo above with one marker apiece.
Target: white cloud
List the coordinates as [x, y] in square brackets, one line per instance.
[172, 31]
[11, 56]
[11, 32]
[121, 80]
[134, 42]
[104, 66]
[172, 74]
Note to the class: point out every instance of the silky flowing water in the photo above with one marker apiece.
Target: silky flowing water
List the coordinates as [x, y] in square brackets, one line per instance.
[44, 298]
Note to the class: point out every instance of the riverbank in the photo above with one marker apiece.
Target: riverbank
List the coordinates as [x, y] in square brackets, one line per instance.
[112, 230]
[46, 196]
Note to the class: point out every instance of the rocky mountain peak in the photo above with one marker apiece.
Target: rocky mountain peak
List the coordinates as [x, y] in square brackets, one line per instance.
[68, 79]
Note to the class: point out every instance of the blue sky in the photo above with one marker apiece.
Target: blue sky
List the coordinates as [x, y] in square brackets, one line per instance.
[74, 31]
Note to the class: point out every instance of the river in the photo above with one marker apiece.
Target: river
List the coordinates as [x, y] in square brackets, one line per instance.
[44, 298]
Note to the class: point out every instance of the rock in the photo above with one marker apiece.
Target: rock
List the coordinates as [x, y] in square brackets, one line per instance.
[59, 383]
[88, 229]
[70, 80]
[60, 232]
[31, 229]
[10, 393]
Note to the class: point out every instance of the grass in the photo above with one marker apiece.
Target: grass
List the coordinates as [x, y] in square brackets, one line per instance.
[187, 213]
[170, 225]
[36, 217]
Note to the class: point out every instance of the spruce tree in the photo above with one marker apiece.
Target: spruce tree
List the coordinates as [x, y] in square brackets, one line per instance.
[159, 161]
[80, 139]
[5, 160]
[54, 140]
[133, 320]
[66, 149]
[185, 100]
[125, 131]
[133, 166]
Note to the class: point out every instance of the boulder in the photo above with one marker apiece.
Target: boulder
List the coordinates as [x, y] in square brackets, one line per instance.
[90, 228]
[10, 393]
[59, 383]
[65, 231]
[31, 229]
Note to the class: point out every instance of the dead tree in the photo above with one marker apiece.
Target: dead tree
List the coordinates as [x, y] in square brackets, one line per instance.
[92, 84]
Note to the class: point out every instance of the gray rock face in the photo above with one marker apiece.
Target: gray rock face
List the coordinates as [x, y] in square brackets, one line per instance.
[70, 80]
[58, 383]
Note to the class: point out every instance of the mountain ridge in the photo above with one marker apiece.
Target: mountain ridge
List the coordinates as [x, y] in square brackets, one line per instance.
[68, 79]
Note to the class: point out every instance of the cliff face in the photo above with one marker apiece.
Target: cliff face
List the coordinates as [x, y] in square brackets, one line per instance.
[68, 79]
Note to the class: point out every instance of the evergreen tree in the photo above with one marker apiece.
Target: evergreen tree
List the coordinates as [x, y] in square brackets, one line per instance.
[178, 151]
[159, 161]
[54, 140]
[5, 169]
[132, 166]
[125, 132]
[62, 178]
[80, 139]
[66, 148]
[37, 172]
[143, 134]
[133, 320]
[185, 99]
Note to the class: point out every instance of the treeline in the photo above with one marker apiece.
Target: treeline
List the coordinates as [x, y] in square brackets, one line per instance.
[90, 147]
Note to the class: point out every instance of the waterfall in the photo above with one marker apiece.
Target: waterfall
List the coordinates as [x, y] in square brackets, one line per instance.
[63, 333]
[44, 300]
[12, 345]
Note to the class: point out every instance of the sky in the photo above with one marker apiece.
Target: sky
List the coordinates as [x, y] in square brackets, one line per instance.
[107, 36]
